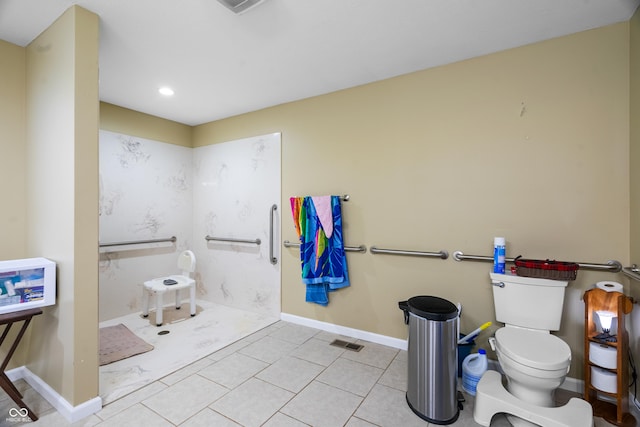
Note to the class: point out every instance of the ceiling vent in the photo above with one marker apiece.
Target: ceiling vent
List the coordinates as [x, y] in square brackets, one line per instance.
[239, 6]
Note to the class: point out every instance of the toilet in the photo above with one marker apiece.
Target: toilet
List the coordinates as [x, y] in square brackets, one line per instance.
[535, 362]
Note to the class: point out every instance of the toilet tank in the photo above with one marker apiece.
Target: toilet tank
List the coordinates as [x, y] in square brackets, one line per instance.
[528, 302]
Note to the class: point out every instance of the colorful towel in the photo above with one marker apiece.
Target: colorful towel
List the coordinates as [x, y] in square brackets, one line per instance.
[324, 210]
[322, 257]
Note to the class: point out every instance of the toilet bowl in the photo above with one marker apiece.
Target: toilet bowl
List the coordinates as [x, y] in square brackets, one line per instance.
[534, 362]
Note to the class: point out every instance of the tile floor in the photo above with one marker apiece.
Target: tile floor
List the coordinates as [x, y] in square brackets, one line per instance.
[283, 375]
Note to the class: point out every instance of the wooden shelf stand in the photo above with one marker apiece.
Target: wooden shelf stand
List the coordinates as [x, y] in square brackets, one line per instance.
[615, 413]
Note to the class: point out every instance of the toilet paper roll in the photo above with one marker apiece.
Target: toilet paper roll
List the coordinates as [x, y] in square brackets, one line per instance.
[610, 286]
[603, 355]
[604, 380]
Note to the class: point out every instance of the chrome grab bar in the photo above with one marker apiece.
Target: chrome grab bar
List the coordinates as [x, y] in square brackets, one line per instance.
[272, 211]
[440, 254]
[632, 272]
[171, 239]
[361, 248]
[230, 239]
[612, 265]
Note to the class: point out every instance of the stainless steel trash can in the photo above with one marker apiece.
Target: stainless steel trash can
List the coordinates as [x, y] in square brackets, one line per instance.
[433, 358]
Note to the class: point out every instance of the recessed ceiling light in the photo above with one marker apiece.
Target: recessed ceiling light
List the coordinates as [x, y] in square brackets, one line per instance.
[166, 91]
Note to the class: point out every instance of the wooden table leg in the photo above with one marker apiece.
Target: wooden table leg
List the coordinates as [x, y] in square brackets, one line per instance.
[5, 382]
[13, 393]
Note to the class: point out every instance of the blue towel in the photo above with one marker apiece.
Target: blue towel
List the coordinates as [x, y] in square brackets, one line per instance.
[323, 261]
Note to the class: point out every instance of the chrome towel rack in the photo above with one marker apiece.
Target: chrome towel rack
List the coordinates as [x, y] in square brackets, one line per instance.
[361, 248]
[231, 239]
[171, 239]
[440, 254]
[612, 265]
[345, 197]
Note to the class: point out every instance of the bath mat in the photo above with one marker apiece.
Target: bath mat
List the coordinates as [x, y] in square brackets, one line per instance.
[118, 342]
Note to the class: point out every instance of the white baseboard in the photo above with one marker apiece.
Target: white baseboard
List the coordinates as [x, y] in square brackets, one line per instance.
[71, 413]
[347, 332]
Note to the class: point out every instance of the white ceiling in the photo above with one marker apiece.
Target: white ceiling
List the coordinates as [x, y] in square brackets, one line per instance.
[221, 64]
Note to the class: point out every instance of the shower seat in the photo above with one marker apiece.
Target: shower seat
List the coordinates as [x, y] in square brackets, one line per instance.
[160, 285]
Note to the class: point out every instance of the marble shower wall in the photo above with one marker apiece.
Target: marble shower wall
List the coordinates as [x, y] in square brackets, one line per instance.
[146, 192]
[151, 190]
[236, 184]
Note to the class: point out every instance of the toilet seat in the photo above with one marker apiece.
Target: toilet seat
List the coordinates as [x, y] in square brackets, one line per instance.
[537, 350]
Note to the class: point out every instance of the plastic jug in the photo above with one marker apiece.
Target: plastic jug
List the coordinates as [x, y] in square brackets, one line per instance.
[473, 367]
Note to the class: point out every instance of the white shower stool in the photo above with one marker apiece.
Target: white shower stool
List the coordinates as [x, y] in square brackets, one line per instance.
[158, 288]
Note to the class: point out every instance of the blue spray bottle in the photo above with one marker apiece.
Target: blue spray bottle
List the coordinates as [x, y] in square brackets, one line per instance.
[499, 252]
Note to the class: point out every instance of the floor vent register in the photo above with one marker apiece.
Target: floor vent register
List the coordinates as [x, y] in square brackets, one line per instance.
[348, 345]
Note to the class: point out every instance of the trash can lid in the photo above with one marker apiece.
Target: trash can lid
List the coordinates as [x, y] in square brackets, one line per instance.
[433, 308]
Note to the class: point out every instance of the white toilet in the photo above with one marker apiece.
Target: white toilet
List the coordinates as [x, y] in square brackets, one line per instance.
[535, 362]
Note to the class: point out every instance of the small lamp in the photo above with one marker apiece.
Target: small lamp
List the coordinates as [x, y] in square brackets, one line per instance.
[606, 320]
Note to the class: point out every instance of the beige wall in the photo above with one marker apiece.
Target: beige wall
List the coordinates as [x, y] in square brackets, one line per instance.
[531, 144]
[634, 170]
[14, 166]
[62, 199]
[12, 151]
[634, 136]
[129, 122]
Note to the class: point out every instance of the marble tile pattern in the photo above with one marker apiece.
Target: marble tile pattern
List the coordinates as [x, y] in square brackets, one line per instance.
[146, 192]
[150, 189]
[236, 183]
[184, 340]
[329, 387]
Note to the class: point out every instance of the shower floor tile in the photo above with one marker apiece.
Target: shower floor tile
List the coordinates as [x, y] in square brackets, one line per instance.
[188, 340]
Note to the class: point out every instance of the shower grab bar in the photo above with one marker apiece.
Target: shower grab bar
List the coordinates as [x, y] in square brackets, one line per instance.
[633, 272]
[231, 239]
[611, 265]
[440, 254]
[361, 248]
[272, 212]
[171, 239]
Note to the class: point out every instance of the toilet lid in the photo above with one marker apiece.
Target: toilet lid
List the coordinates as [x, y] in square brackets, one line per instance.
[537, 350]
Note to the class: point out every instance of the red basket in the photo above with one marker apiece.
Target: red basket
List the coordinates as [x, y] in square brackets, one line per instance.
[556, 270]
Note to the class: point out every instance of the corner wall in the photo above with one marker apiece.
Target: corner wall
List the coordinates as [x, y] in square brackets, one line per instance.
[62, 199]
[634, 175]
[634, 136]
